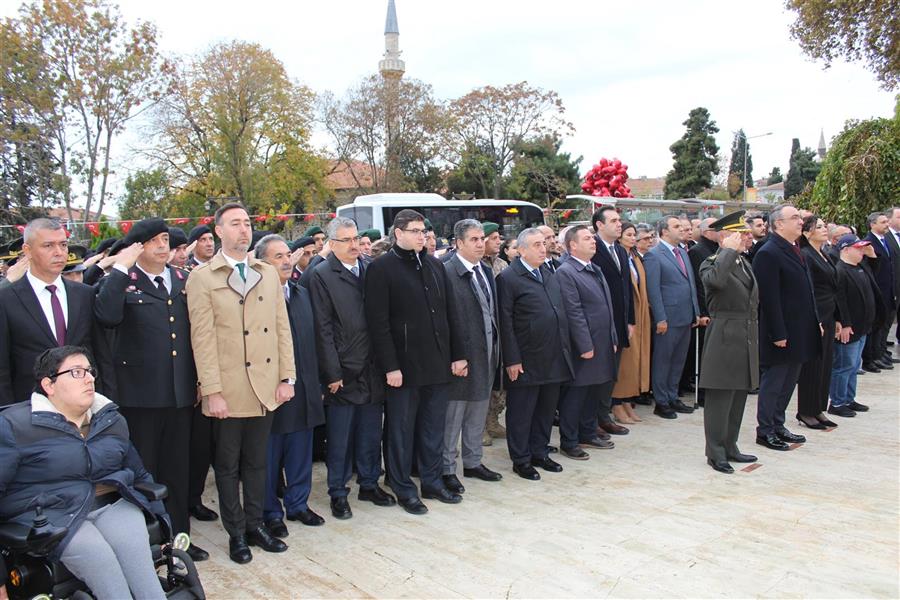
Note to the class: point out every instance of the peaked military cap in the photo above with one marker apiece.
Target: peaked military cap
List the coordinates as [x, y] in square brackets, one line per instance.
[733, 222]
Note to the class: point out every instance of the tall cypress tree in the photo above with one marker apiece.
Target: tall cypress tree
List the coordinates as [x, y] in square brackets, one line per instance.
[736, 170]
[803, 169]
[695, 157]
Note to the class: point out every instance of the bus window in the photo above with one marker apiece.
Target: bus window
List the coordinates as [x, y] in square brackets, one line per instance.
[512, 219]
[361, 214]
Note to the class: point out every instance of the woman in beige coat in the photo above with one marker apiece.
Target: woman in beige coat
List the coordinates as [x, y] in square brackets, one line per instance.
[634, 362]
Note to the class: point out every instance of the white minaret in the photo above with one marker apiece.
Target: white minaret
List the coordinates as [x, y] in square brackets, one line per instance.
[822, 148]
[391, 67]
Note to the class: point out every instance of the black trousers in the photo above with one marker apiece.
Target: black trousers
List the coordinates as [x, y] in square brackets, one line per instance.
[776, 385]
[200, 459]
[239, 459]
[815, 377]
[578, 408]
[529, 419]
[162, 437]
[723, 412]
[414, 421]
[876, 342]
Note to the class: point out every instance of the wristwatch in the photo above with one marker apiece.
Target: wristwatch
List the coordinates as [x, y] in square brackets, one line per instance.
[289, 381]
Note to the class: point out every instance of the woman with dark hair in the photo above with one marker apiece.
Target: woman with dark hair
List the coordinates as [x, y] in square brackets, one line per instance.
[68, 449]
[509, 251]
[634, 361]
[815, 376]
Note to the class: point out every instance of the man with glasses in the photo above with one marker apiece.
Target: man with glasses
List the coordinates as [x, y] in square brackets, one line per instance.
[354, 397]
[413, 325]
[789, 327]
[41, 310]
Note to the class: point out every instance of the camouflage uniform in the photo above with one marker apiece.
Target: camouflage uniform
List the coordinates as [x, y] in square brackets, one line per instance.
[493, 428]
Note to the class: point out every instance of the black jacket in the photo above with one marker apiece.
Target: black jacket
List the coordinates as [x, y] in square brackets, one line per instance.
[412, 319]
[858, 299]
[751, 253]
[787, 306]
[25, 334]
[534, 327]
[619, 283]
[697, 254]
[884, 273]
[342, 335]
[151, 348]
[824, 280]
[304, 410]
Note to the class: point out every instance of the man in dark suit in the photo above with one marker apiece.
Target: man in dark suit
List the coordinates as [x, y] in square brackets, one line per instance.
[291, 438]
[876, 351]
[41, 310]
[553, 251]
[354, 398]
[534, 335]
[789, 327]
[673, 307]
[472, 286]
[613, 262]
[893, 238]
[588, 308]
[143, 301]
[415, 330]
[705, 247]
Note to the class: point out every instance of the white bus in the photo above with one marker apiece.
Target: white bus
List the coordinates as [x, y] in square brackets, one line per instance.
[377, 211]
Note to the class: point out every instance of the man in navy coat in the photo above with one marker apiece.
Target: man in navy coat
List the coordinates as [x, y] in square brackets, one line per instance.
[291, 439]
[876, 351]
[789, 326]
[588, 306]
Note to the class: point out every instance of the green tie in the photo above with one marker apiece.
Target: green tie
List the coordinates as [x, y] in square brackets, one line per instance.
[240, 268]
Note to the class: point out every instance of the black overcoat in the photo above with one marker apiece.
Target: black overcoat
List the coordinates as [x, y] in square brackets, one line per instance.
[619, 283]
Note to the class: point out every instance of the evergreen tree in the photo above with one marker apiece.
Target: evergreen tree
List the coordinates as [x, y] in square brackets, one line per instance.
[803, 169]
[739, 147]
[695, 157]
[775, 176]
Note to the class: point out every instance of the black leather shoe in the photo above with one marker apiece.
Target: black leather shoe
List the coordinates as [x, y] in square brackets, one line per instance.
[238, 551]
[265, 540]
[870, 368]
[810, 422]
[642, 399]
[599, 443]
[552, 450]
[856, 406]
[340, 508]
[452, 483]
[526, 472]
[197, 553]
[576, 453]
[614, 429]
[821, 418]
[892, 360]
[884, 366]
[772, 442]
[483, 473]
[442, 495]
[665, 412]
[681, 407]
[277, 528]
[603, 435]
[721, 467]
[742, 458]
[413, 506]
[376, 496]
[791, 438]
[307, 517]
[547, 464]
[202, 513]
[841, 411]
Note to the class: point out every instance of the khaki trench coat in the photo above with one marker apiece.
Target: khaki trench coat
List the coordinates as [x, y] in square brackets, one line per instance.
[240, 334]
[634, 362]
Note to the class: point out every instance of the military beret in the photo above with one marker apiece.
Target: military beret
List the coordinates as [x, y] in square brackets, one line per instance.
[490, 227]
[177, 237]
[302, 242]
[75, 260]
[373, 234]
[105, 245]
[428, 225]
[198, 232]
[145, 230]
[314, 230]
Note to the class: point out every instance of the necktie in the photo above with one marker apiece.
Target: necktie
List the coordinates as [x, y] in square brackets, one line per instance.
[799, 254]
[240, 268]
[887, 247]
[287, 293]
[615, 256]
[59, 319]
[677, 252]
[482, 284]
[550, 266]
[537, 275]
[161, 284]
[355, 270]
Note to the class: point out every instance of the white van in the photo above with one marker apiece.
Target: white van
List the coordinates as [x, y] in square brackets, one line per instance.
[377, 211]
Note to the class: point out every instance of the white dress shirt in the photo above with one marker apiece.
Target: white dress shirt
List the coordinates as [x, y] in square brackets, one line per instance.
[166, 275]
[43, 296]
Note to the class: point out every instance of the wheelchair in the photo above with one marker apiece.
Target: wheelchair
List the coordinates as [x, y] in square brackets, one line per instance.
[31, 575]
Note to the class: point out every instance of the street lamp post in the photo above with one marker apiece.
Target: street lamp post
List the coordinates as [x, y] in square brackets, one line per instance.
[744, 172]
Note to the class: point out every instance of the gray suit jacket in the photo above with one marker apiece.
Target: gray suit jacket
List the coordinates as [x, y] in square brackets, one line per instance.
[671, 291]
[480, 330]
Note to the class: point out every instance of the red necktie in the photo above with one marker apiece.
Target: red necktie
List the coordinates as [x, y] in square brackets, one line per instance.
[680, 260]
[59, 319]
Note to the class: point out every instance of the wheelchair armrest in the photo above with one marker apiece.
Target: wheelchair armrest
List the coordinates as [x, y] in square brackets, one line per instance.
[152, 491]
[14, 536]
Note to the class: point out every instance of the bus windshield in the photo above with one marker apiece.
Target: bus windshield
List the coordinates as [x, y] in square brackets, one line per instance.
[511, 218]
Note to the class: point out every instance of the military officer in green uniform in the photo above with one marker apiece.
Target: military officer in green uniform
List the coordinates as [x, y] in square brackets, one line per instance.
[730, 363]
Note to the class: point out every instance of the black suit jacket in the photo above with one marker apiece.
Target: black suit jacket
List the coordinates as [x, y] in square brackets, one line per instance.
[619, 283]
[884, 273]
[25, 333]
[697, 254]
[891, 238]
[151, 346]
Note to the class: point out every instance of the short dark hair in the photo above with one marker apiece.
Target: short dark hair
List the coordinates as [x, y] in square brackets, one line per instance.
[663, 223]
[226, 207]
[48, 362]
[628, 225]
[407, 216]
[873, 217]
[572, 233]
[600, 215]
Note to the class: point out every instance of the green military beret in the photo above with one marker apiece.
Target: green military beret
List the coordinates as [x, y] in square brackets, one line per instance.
[373, 234]
[428, 225]
[489, 228]
[314, 230]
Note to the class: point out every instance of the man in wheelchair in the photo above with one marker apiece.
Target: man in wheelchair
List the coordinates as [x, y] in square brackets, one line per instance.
[73, 489]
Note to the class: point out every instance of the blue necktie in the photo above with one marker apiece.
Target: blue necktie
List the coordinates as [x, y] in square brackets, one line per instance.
[537, 275]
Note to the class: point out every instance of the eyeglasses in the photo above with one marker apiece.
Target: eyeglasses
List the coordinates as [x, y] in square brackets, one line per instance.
[78, 372]
[349, 240]
[415, 231]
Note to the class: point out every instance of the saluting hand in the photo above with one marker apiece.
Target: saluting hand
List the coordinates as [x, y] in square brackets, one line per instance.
[18, 270]
[95, 259]
[129, 255]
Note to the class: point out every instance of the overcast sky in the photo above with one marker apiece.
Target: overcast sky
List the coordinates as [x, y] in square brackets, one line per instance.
[628, 72]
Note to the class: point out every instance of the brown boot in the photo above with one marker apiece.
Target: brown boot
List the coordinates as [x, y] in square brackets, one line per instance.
[493, 426]
[486, 439]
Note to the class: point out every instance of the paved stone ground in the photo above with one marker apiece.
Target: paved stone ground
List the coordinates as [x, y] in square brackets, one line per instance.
[647, 519]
